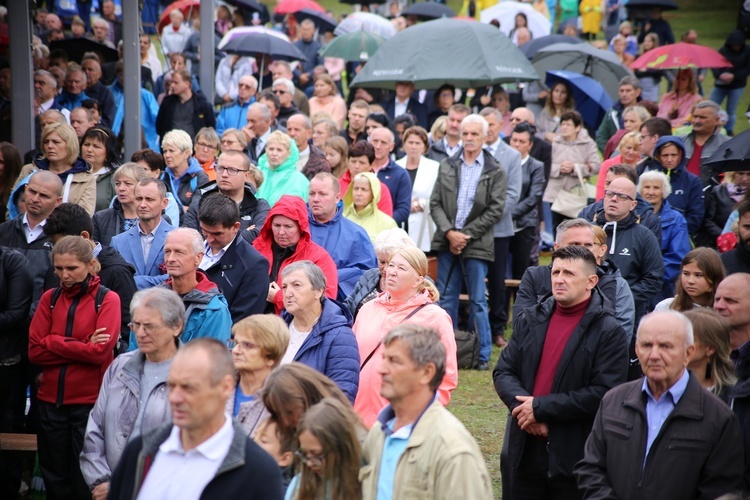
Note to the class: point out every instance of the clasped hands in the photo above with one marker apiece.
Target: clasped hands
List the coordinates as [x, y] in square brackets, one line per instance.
[457, 241]
[524, 413]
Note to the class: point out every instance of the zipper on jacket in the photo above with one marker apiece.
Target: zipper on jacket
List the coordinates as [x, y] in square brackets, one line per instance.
[68, 334]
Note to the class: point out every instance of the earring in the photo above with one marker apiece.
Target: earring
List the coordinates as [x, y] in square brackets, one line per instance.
[708, 371]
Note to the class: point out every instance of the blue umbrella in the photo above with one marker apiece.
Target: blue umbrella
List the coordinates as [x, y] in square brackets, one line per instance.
[592, 101]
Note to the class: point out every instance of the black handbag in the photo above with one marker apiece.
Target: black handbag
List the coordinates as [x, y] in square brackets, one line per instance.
[467, 341]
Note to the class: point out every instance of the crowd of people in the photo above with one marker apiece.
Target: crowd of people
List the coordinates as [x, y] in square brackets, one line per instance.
[263, 301]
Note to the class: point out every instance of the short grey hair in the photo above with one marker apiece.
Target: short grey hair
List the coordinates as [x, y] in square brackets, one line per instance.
[709, 105]
[264, 111]
[306, 122]
[196, 239]
[388, 242]
[687, 325]
[424, 347]
[209, 133]
[475, 119]
[166, 302]
[655, 175]
[311, 270]
[47, 76]
[570, 224]
[492, 111]
[630, 80]
[179, 139]
[286, 83]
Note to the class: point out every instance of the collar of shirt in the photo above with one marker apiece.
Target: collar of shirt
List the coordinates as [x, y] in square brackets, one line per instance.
[492, 148]
[675, 392]
[451, 151]
[219, 254]
[26, 223]
[264, 138]
[142, 233]
[46, 105]
[213, 448]
[478, 161]
[97, 249]
[387, 419]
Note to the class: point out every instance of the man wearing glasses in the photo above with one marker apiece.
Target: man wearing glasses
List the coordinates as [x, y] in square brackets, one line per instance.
[232, 180]
[234, 114]
[632, 247]
[284, 90]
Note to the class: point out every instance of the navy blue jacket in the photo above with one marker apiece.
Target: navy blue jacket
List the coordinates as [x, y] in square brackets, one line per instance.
[687, 189]
[414, 108]
[349, 246]
[241, 275]
[399, 184]
[643, 209]
[331, 347]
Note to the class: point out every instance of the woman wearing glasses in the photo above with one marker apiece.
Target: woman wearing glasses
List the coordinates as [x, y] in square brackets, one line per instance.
[133, 398]
[655, 188]
[258, 343]
[206, 148]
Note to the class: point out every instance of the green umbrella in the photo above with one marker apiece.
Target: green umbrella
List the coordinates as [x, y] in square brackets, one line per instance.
[355, 46]
[455, 51]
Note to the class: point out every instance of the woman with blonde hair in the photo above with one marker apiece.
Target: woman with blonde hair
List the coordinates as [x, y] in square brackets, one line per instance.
[676, 106]
[232, 139]
[60, 155]
[630, 154]
[337, 152]
[122, 214]
[711, 363]
[409, 297]
[326, 99]
[258, 343]
[279, 168]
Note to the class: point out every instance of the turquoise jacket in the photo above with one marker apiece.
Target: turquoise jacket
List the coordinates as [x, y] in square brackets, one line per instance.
[149, 110]
[284, 179]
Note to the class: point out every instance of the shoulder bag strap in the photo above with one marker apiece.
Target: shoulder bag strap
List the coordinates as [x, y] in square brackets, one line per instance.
[369, 356]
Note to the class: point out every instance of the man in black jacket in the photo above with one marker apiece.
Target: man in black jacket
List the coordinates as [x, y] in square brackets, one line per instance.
[565, 354]
[229, 260]
[663, 436]
[184, 109]
[70, 219]
[232, 180]
[167, 461]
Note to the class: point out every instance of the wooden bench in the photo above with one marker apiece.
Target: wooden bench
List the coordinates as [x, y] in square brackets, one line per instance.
[511, 285]
[17, 442]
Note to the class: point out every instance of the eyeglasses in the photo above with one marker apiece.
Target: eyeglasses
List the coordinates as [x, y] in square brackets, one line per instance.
[244, 346]
[619, 196]
[279, 92]
[203, 145]
[231, 171]
[148, 328]
[245, 86]
[315, 460]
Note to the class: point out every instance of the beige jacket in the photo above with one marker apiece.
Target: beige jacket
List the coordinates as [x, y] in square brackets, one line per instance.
[442, 461]
[582, 152]
[82, 188]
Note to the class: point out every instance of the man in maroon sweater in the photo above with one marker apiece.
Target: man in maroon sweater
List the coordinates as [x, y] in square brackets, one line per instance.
[565, 354]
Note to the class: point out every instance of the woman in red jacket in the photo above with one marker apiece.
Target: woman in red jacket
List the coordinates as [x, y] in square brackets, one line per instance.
[285, 238]
[72, 337]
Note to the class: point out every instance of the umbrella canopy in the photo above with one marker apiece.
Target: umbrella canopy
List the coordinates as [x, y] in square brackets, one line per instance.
[650, 4]
[185, 6]
[601, 65]
[532, 47]
[244, 30]
[246, 4]
[592, 101]
[681, 55]
[249, 44]
[359, 2]
[428, 10]
[76, 47]
[365, 21]
[357, 46]
[506, 12]
[732, 156]
[477, 55]
[322, 21]
[292, 6]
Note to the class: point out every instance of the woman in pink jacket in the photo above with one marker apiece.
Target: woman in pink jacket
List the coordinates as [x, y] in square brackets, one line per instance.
[408, 298]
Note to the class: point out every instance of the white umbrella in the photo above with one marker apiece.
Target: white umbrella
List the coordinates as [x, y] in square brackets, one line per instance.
[505, 12]
[366, 21]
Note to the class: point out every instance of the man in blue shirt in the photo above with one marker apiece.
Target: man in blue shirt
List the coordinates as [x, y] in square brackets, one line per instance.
[678, 439]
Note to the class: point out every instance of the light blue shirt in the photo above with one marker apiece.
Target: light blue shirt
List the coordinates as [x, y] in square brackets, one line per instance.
[657, 412]
[393, 447]
[467, 188]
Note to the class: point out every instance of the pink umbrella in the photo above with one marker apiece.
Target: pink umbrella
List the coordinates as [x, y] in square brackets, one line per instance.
[292, 6]
[681, 55]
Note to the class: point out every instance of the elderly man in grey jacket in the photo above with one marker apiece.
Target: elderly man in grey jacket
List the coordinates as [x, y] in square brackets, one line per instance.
[510, 161]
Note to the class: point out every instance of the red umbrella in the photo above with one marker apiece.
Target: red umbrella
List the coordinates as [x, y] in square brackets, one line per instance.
[681, 55]
[183, 5]
[292, 6]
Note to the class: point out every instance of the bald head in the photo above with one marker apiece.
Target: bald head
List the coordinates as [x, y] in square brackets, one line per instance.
[523, 36]
[732, 302]
[619, 199]
[49, 179]
[522, 115]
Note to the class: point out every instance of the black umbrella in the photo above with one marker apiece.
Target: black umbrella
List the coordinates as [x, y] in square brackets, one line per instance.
[532, 47]
[650, 4]
[428, 10]
[732, 156]
[249, 44]
[247, 4]
[359, 2]
[324, 22]
[76, 47]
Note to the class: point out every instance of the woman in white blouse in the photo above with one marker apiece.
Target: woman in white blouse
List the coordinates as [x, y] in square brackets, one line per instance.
[423, 173]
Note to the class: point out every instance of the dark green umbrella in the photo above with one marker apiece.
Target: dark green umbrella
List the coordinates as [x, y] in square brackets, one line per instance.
[355, 46]
[454, 51]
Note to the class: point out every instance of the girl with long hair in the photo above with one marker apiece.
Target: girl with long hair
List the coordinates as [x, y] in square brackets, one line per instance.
[710, 362]
[701, 272]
